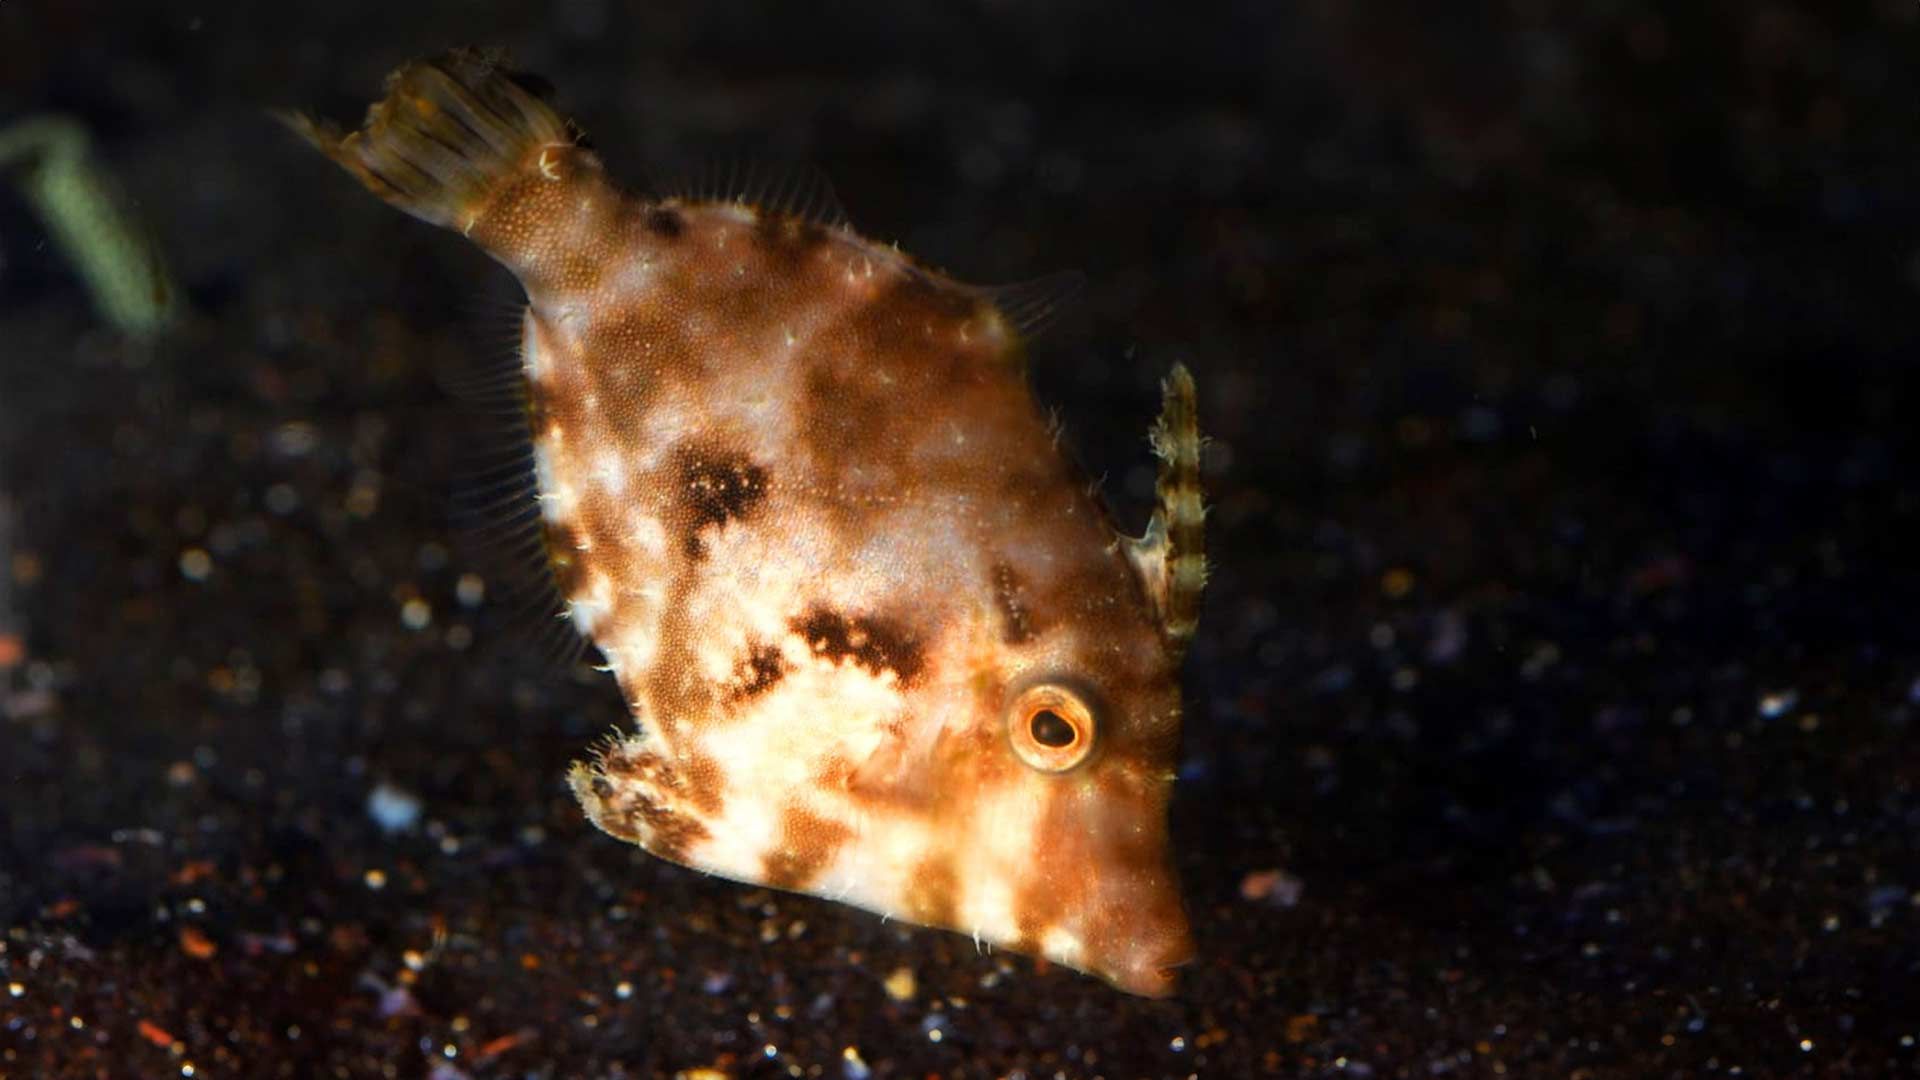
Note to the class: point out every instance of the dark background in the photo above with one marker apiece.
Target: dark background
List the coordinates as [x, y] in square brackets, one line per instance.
[1552, 712]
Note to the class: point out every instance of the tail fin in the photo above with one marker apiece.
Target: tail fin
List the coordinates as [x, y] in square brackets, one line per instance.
[451, 134]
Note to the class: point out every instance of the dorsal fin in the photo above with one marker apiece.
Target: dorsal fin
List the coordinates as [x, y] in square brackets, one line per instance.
[1171, 557]
[1032, 306]
[794, 190]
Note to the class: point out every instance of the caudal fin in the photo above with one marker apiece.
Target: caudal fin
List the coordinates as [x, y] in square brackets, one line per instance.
[452, 133]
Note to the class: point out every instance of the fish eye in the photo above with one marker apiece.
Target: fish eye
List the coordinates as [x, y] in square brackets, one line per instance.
[1051, 728]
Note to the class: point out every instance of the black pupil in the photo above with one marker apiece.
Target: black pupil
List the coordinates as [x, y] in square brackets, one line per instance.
[1050, 730]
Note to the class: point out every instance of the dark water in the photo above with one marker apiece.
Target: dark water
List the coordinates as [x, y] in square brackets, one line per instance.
[1552, 715]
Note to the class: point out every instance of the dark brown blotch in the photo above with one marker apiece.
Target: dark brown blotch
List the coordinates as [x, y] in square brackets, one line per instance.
[715, 488]
[664, 222]
[877, 644]
[757, 672]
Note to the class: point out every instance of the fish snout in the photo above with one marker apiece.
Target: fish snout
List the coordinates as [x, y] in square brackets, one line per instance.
[1138, 937]
[1149, 965]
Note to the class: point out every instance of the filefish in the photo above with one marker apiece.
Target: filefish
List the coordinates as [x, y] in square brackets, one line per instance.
[881, 641]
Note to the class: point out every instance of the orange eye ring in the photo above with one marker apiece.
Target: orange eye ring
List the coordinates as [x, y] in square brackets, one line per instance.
[1051, 728]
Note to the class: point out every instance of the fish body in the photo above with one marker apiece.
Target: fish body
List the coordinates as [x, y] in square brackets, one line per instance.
[880, 640]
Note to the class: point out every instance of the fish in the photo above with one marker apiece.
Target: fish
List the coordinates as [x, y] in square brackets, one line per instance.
[881, 640]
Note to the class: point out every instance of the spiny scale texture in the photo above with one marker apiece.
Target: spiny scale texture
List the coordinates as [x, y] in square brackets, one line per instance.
[880, 642]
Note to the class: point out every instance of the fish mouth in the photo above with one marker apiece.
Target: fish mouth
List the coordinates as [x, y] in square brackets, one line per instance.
[1153, 973]
[1142, 951]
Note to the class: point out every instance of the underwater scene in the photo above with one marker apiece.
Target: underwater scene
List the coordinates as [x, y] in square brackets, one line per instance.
[988, 540]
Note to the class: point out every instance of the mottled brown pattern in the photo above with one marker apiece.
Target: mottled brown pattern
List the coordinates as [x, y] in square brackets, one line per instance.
[879, 645]
[672, 684]
[807, 843]
[520, 219]
[1108, 883]
[621, 785]
[702, 781]
[887, 370]
[654, 353]
[850, 415]
[908, 308]
[756, 426]
[934, 891]
[757, 672]
[908, 778]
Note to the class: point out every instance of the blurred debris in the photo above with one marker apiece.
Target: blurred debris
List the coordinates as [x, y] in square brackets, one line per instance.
[393, 809]
[1273, 887]
[195, 943]
[51, 159]
[902, 985]
[13, 632]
